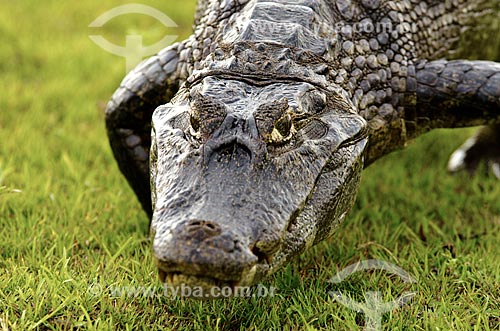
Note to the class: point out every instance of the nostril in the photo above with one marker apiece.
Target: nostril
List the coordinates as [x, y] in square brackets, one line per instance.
[203, 228]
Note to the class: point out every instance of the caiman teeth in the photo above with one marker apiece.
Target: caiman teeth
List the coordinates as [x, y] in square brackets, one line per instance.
[162, 274]
[166, 277]
[170, 277]
[269, 259]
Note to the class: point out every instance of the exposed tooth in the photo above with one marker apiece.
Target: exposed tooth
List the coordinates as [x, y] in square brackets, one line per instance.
[162, 274]
[247, 278]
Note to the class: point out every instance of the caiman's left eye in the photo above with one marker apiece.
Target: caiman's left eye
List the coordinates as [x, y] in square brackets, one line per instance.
[284, 125]
[274, 121]
[194, 119]
[282, 130]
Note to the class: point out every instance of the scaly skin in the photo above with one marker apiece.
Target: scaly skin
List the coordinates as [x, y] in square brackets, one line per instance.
[278, 104]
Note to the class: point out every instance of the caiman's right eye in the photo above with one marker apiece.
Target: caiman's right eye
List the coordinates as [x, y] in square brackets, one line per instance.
[207, 115]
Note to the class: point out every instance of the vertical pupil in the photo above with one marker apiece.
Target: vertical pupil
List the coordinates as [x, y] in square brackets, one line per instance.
[195, 121]
[284, 125]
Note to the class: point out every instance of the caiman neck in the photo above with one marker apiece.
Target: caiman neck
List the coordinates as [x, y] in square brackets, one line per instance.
[274, 41]
[302, 24]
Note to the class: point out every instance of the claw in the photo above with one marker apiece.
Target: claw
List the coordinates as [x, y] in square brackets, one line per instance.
[483, 146]
[495, 168]
[460, 159]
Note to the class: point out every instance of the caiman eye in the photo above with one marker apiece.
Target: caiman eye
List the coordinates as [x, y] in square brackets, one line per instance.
[282, 130]
[273, 121]
[194, 119]
[207, 114]
[284, 125]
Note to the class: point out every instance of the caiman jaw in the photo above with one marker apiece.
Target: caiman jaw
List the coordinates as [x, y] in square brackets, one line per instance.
[206, 281]
[177, 279]
[205, 254]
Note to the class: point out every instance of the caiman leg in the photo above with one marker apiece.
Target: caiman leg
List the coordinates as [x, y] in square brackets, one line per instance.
[458, 94]
[128, 114]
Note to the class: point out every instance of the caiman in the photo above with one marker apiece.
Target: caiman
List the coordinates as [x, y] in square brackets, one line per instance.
[245, 143]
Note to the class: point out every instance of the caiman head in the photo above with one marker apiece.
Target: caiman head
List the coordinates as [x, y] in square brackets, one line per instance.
[245, 176]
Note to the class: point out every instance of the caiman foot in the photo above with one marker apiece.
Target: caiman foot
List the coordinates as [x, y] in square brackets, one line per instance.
[483, 146]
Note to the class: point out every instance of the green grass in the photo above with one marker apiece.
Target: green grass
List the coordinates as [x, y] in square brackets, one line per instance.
[70, 225]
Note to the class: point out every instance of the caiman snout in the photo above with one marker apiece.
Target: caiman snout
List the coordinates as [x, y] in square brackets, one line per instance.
[203, 253]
